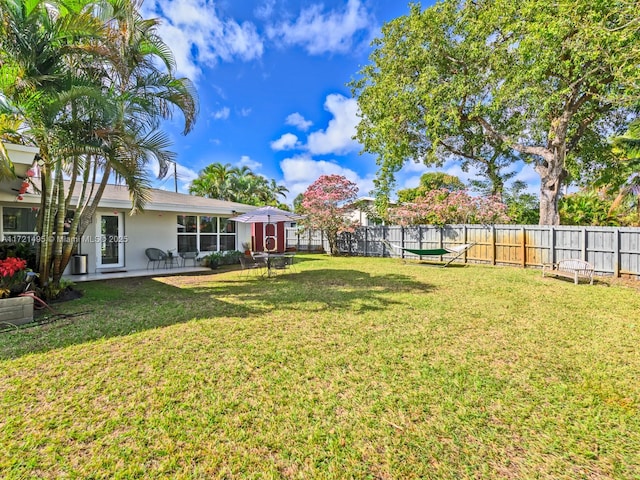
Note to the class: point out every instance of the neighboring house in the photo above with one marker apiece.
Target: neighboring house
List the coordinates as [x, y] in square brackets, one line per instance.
[116, 240]
[365, 214]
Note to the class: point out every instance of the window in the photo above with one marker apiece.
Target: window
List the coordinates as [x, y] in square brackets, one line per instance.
[227, 234]
[19, 224]
[187, 224]
[205, 233]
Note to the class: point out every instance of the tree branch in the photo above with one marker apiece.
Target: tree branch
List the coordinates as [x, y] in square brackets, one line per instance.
[455, 151]
[528, 149]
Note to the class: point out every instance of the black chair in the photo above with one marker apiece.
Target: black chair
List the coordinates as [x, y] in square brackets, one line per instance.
[155, 256]
[249, 263]
[189, 256]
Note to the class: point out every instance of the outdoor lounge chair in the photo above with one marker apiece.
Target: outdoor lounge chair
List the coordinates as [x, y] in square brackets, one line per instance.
[189, 256]
[155, 256]
[454, 251]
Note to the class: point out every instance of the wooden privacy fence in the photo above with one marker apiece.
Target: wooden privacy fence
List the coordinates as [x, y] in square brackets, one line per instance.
[611, 250]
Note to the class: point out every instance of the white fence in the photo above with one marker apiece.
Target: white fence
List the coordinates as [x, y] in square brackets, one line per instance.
[611, 250]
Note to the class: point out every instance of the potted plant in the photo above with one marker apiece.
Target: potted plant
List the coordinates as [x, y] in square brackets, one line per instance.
[213, 260]
[246, 247]
[13, 276]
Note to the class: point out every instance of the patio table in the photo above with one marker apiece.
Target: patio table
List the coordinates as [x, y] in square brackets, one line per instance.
[171, 260]
[270, 259]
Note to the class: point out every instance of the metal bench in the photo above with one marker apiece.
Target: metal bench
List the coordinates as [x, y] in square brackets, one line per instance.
[572, 268]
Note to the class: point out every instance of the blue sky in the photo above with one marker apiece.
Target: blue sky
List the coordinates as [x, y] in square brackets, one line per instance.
[272, 81]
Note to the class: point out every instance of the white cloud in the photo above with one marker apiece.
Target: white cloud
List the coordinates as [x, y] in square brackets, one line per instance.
[198, 36]
[185, 176]
[529, 176]
[221, 114]
[297, 120]
[265, 10]
[337, 138]
[454, 168]
[244, 112]
[332, 32]
[285, 142]
[247, 161]
[301, 171]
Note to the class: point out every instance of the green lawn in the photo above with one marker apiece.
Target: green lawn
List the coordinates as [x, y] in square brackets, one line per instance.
[345, 368]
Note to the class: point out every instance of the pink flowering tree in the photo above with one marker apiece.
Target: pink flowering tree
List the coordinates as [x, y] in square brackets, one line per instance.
[328, 204]
[441, 206]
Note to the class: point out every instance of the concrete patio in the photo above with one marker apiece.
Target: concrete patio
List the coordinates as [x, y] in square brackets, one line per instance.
[125, 273]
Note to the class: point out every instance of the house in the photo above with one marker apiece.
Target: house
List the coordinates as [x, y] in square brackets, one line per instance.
[116, 240]
[365, 212]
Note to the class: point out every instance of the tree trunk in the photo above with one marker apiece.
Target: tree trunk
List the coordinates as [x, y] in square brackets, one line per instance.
[45, 233]
[332, 238]
[552, 175]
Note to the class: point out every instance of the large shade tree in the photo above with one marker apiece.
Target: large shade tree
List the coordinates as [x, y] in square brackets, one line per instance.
[90, 82]
[537, 80]
[431, 181]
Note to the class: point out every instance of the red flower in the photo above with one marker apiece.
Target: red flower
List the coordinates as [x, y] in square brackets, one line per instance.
[13, 272]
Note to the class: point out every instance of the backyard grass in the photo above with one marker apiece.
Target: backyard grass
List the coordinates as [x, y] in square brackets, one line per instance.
[344, 368]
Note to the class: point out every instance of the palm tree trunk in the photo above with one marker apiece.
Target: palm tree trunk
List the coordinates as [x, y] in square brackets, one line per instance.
[46, 231]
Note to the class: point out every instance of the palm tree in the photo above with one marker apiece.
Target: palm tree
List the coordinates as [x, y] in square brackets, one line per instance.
[87, 82]
[214, 181]
[140, 94]
[237, 184]
[627, 147]
[9, 126]
[277, 190]
[36, 40]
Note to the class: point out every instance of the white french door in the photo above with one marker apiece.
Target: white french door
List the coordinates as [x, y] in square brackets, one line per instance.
[110, 236]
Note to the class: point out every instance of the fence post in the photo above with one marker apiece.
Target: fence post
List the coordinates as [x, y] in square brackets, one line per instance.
[616, 252]
[493, 244]
[523, 247]
[402, 239]
[552, 244]
[384, 237]
[584, 244]
[366, 241]
[464, 240]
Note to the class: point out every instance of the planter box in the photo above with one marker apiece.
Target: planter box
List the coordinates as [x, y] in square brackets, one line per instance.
[17, 310]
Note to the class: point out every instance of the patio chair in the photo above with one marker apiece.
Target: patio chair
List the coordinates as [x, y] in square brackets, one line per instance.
[155, 256]
[279, 262]
[189, 256]
[250, 263]
[289, 258]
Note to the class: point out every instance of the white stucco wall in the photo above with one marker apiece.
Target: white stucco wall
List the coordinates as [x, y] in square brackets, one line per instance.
[149, 229]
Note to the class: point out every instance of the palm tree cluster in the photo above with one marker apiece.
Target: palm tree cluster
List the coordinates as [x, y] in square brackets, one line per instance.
[89, 82]
[237, 184]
